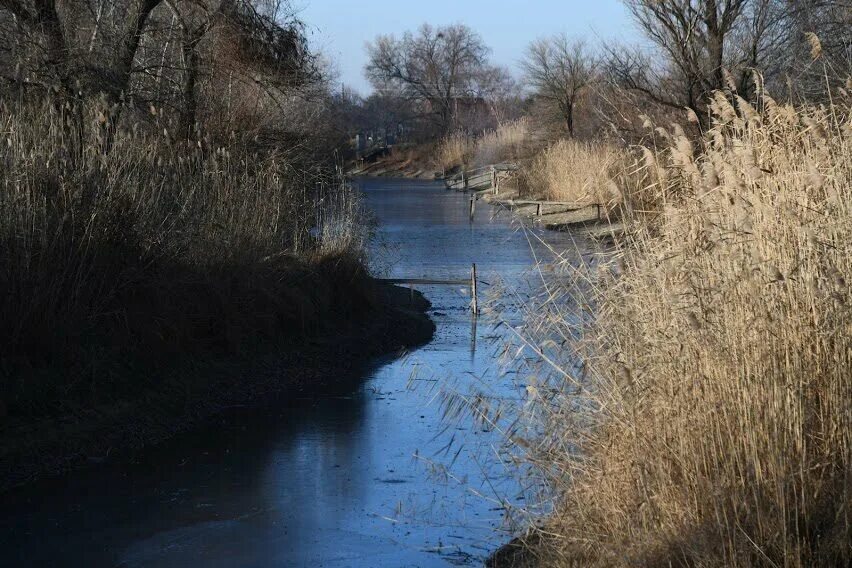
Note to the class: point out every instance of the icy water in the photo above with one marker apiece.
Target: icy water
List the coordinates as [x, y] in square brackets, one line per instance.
[369, 476]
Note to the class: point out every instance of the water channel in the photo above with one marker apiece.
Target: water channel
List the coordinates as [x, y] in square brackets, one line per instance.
[372, 475]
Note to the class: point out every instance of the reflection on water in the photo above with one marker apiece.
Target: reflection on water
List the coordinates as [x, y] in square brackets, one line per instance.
[368, 476]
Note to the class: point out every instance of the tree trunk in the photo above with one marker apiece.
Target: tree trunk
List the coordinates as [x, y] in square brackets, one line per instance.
[188, 114]
[715, 43]
[56, 52]
[569, 118]
[136, 21]
[118, 89]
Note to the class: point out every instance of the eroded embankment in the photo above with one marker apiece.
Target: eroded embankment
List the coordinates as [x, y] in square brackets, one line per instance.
[184, 394]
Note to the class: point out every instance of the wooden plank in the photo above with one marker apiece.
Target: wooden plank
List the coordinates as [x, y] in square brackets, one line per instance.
[575, 204]
[474, 302]
[425, 281]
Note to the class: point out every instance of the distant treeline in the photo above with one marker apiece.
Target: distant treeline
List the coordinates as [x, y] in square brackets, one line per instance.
[437, 81]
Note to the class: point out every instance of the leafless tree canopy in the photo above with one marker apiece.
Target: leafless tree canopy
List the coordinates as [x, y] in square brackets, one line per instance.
[440, 68]
[560, 70]
[692, 34]
[715, 44]
[168, 54]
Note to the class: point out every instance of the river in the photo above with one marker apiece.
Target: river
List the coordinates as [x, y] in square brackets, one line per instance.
[372, 475]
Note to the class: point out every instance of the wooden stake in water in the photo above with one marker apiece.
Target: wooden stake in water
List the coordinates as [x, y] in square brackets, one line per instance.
[474, 304]
[472, 207]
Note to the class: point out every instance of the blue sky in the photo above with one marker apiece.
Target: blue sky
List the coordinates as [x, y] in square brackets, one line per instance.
[340, 28]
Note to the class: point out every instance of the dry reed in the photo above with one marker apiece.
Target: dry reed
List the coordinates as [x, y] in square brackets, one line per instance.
[710, 420]
[160, 246]
[509, 142]
[454, 151]
[580, 172]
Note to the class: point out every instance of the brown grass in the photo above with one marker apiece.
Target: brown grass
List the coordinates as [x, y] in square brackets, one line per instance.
[454, 151]
[710, 423]
[509, 142]
[160, 246]
[580, 172]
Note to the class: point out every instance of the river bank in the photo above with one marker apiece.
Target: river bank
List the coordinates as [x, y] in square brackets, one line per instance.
[411, 164]
[191, 392]
[590, 220]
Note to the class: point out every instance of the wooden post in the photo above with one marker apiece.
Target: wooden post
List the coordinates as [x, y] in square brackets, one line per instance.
[538, 210]
[599, 210]
[464, 179]
[494, 179]
[474, 304]
[472, 207]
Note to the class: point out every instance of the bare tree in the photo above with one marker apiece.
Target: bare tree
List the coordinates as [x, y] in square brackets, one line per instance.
[827, 23]
[693, 36]
[701, 39]
[195, 19]
[40, 20]
[437, 67]
[560, 70]
[50, 25]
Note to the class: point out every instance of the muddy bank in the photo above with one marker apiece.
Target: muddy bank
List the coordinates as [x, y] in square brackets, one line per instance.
[208, 385]
[407, 163]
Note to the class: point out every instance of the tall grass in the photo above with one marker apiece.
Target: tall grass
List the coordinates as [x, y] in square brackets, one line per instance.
[454, 151]
[579, 172]
[158, 246]
[509, 142]
[709, 419]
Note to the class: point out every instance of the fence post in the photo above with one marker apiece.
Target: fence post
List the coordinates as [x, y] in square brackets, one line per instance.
[538, 210]
[474, 303]
[494, 179]
[472, 207]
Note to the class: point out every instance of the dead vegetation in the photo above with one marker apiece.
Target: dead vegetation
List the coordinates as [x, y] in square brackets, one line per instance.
[168, 187]
[159, 246]
[579, 172]
[705, 416]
